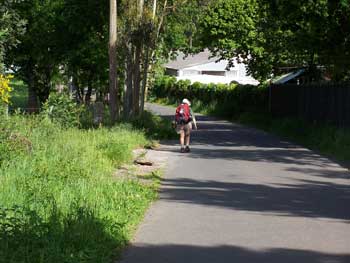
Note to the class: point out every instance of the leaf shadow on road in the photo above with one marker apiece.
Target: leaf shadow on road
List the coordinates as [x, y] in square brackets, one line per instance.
[188, 253]
[223, 133]
[317, 188]
[322, 200]
[225, 140]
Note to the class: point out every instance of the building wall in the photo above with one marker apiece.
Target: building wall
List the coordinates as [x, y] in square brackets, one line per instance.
[216, 72]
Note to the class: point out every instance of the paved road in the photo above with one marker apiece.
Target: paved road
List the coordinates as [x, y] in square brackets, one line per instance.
[245, 196]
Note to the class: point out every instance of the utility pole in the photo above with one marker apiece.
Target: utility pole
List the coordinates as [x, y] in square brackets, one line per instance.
[112, 47]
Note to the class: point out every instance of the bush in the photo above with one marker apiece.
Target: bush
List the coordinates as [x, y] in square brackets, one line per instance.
[61, 109]
[154, 126]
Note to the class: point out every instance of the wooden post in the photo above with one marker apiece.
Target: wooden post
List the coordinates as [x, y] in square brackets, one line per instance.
[113, 90]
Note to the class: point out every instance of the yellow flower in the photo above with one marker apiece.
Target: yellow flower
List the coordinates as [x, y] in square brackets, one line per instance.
[5, 88]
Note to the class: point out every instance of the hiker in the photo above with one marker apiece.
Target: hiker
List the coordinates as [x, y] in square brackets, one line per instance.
[184, 118]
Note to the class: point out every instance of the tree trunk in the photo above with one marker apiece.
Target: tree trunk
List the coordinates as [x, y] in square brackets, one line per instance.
[144, 79]
[76, 88]
[88, 93]
[113, 91]
[126, 98]
[137, 80]
[33, 104]
[137, 62]
[154, 9]
[129, 82]
[33, 101]
[140, 9]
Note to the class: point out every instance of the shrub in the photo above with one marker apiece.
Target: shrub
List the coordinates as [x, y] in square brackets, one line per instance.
[61, 109]
[154, 126]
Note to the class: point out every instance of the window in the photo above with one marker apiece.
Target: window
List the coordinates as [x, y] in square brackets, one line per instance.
[213, 73]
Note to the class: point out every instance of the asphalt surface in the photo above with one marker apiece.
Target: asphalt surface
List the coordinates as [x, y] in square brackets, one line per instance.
[245, 196]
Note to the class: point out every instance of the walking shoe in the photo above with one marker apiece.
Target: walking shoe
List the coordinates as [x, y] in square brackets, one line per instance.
[187, 149]
[182, 150]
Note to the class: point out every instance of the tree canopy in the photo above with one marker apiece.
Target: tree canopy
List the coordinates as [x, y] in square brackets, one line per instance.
[11, 27]
[46, 40]
[268, 35]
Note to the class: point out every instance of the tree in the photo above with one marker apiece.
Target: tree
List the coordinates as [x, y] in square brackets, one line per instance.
[11, 27]
[68, 39]
[83, 35]
[144, 34]
[36, 58]
[268, 35]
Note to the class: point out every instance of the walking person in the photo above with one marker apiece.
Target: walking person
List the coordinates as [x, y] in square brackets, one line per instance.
[184, 118]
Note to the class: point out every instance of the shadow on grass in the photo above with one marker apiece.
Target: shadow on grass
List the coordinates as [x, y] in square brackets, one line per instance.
[219, 254]
[77, 237]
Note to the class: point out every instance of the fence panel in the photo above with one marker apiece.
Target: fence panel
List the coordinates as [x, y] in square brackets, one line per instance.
[323, 103]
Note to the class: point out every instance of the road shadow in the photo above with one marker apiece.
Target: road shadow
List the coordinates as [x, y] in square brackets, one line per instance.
[297, 156]
[223, 133]
[283, 155]
[322, 196]
[228, 254]
[323, 173]
[305, 199]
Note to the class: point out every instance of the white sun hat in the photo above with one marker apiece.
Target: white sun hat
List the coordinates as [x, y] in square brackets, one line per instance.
[186, 101]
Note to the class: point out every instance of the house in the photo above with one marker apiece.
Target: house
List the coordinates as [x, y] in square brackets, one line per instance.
[301, 76]
[291, 77]
[205, 68]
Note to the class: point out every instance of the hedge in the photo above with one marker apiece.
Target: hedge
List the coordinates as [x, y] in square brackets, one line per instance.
[229, 99]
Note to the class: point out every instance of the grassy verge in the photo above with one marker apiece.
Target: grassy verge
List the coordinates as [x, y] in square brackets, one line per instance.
[59, 198]
[155, 127]
[327, 139]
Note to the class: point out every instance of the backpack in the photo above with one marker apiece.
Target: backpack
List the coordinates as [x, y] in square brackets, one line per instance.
[183, 114]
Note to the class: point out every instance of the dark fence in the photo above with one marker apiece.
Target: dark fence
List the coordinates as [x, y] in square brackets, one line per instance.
[326, 103]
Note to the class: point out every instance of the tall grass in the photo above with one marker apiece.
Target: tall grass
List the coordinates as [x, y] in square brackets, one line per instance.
[59, 199]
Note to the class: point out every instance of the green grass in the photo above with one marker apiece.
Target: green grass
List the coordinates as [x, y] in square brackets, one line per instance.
[325, 138]
[59, 198]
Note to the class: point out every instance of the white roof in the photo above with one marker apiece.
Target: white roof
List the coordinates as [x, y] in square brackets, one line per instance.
[182, 61]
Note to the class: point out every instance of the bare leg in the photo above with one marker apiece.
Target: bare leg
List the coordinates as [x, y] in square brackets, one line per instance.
[182, 138]
[187, 139]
